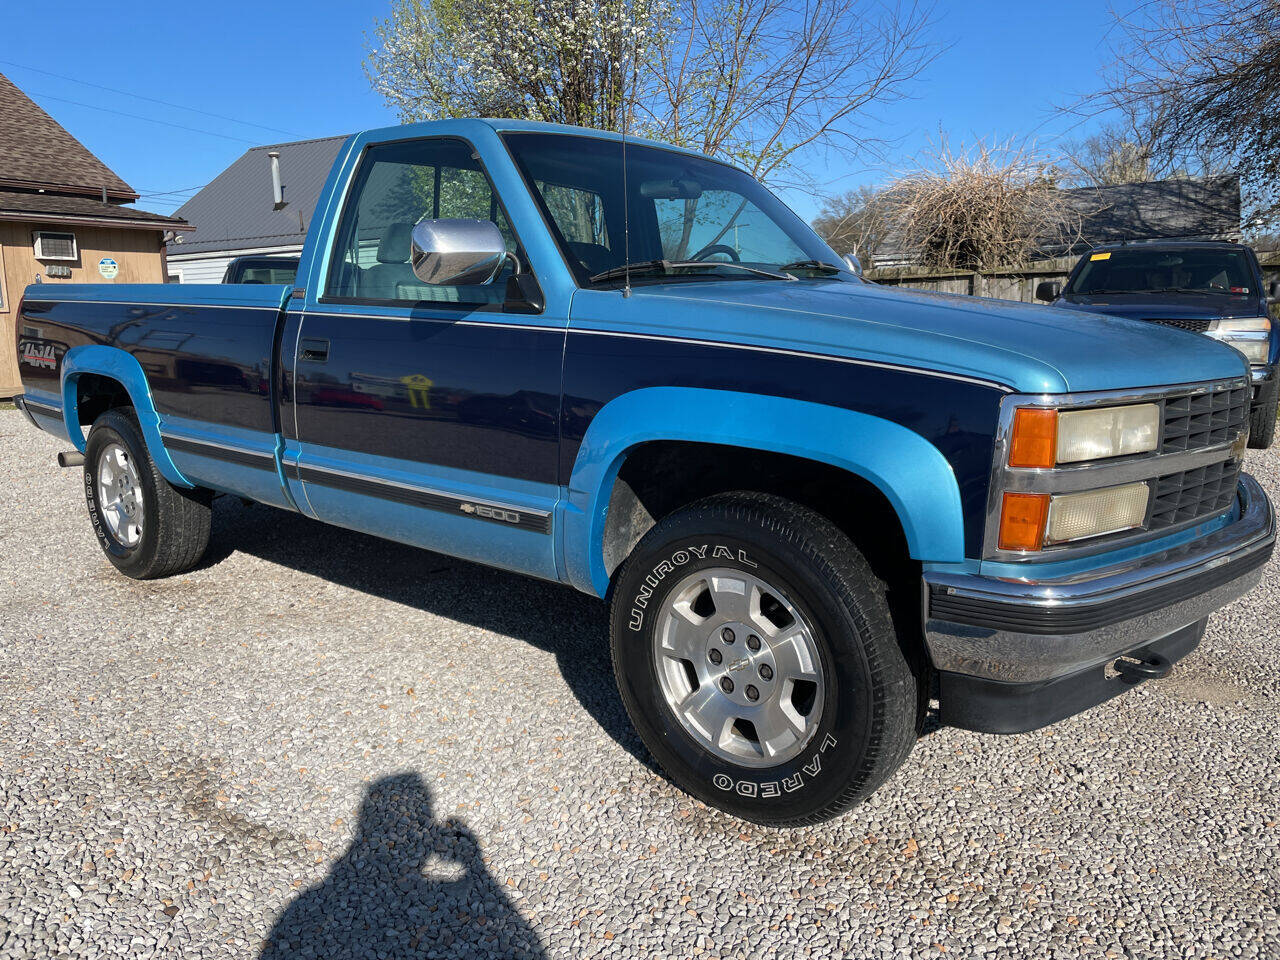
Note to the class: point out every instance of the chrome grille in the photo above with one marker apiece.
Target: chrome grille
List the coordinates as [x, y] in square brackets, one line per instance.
[1199, 420]
[1194, 324]
[1179, 498]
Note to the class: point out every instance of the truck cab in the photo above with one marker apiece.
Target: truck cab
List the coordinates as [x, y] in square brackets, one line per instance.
[1208, 287]
[811, 504]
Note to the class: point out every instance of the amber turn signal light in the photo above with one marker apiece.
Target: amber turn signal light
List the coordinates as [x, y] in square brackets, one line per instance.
[1035, 438]
[1022, 519]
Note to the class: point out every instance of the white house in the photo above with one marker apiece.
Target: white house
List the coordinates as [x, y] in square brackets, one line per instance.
[235, 214]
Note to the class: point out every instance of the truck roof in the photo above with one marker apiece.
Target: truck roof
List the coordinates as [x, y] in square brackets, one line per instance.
[426, 128]
[1170, 244]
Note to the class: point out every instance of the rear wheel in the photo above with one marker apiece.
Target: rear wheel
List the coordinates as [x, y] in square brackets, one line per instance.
[146, 526]
[755, 653]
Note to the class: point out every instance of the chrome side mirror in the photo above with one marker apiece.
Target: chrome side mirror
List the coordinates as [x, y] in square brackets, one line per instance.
[456, 252]
[853, 263]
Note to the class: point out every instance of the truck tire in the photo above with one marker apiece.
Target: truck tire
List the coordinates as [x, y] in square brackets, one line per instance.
[756, 656]
[146, 526]
[1262, 423]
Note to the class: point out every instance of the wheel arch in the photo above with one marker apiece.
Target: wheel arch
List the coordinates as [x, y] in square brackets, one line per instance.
[908, 471]
[113, 365]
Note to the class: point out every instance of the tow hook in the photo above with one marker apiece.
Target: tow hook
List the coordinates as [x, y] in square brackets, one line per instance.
[1148, 666]
[71, 458]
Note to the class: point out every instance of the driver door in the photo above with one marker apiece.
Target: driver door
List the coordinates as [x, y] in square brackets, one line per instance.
[426, 414]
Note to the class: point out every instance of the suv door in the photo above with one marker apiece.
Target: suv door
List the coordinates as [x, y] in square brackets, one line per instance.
[426, 414]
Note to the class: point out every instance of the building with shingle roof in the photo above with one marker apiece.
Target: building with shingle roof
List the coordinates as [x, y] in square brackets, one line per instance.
[235, 213]
[64, 217]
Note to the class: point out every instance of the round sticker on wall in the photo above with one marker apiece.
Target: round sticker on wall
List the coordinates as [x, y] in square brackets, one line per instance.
[108, 268]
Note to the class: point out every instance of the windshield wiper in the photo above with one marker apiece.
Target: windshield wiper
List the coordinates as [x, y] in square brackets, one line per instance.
[667, 266]
[812, 265]
[1204, 293]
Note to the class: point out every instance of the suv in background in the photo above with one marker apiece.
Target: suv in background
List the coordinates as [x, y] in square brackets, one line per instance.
[1209, 287]
[265, 270]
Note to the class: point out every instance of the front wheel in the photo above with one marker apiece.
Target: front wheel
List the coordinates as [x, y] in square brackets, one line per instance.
[146, 526]
[1262, 422]
[756, 656]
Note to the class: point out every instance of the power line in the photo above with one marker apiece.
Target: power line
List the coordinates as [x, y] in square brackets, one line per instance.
[139, 96]
[172, 193]
[134, 116]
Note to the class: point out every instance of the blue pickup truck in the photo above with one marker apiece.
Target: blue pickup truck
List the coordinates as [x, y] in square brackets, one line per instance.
[1207, 286]
[811, 503]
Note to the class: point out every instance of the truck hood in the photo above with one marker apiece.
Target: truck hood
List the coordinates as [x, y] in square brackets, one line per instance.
[1167, 306]
[1030, 348]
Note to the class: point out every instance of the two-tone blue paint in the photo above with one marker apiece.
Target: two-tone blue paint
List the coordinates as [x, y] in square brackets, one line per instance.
[911, 472]
[534, 413]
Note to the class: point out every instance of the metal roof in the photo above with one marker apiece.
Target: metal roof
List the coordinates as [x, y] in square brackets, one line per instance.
[234, 210]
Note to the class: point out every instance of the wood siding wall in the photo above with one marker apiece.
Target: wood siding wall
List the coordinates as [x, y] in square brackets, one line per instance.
[138, 252]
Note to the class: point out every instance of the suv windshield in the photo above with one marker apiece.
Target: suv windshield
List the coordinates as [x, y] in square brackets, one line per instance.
[1223, 272]
[690, 218]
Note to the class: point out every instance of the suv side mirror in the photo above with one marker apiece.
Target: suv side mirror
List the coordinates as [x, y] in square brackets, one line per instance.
[1273, 290]
[1048, 290]
[456, 252]
[853, 263]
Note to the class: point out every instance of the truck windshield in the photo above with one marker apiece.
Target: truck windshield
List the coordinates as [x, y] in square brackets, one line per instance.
[1223, 272]
[691, 219]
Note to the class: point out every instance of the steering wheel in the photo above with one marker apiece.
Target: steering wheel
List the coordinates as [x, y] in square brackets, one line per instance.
[717, 248]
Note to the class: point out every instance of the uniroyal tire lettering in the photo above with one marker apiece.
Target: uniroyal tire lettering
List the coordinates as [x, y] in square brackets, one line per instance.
[775, 788]
[664, 567]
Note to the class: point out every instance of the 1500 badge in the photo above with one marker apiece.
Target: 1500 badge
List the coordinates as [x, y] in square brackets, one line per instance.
[39, 353]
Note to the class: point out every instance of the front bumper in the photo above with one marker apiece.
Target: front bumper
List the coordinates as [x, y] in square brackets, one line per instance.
[1030, 632]
[1265, 383]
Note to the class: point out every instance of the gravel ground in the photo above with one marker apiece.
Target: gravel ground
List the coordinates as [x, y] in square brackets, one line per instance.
[324, 745]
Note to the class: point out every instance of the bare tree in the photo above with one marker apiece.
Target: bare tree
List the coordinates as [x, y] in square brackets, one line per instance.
[857, 222]
[752, 81]
[983, 208]
[1206, 79]
[756, 81]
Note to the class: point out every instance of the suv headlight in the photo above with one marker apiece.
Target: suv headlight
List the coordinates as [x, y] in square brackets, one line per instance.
[1045, 438]
[1249, 335]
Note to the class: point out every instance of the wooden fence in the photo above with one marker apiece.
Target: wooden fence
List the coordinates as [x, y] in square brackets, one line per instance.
[1009, 283]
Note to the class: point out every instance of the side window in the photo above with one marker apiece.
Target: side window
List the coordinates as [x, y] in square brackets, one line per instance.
[397, 185]
[720, 219]
[579, 216]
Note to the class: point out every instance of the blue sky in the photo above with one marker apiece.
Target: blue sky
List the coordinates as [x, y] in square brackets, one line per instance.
[295, 66]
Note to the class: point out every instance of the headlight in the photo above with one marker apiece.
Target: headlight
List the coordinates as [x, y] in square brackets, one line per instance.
[1107, 432]
[1045, 438]
[1247, 334]
[1029, 521]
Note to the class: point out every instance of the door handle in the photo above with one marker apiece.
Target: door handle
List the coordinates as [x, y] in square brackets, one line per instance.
[314, 351]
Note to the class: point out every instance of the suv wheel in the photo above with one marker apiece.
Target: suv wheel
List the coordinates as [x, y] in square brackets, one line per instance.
[1262, 422]
[147, 527]
[756, 656]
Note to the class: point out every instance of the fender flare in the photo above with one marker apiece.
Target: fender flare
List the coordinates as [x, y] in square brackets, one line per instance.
[909, 470]
[124, 368]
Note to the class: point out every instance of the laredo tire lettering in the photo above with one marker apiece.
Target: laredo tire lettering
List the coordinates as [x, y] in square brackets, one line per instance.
[683, 555]
[770, 788]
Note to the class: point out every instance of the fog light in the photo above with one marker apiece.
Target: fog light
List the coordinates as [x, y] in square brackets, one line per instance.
[1075, 516]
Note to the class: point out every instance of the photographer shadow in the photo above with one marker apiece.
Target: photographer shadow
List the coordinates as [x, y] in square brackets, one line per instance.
[407, 885]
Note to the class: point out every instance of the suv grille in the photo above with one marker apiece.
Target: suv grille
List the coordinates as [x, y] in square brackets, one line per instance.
[1201, 420]
[1179, 498]
[1195, 325]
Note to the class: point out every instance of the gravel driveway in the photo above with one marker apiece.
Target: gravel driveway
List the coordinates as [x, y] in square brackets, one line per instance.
[325, 745]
